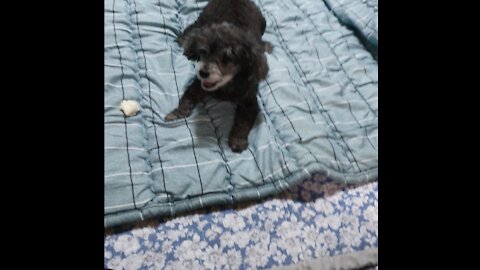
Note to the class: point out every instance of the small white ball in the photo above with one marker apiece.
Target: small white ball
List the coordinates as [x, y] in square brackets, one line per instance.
[129, 107]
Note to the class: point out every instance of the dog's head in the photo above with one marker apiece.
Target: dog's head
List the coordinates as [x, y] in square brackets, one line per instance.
[223, 51]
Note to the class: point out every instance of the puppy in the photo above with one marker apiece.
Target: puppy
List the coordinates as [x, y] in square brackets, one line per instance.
[226, 41]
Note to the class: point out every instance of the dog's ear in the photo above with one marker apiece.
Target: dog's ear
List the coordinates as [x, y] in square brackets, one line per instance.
[257, 62]
[251, 54]
[188, 41]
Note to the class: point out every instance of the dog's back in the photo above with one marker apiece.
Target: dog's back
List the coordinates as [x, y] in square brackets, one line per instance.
[242, 13]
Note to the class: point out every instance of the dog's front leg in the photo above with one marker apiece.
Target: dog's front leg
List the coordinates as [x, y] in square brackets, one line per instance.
[190, 98]
[245, 116]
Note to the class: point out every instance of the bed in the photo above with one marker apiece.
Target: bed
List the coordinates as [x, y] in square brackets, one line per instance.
[304, 192]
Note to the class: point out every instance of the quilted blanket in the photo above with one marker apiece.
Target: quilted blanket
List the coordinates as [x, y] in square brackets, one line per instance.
[362, 17]
[319, 111]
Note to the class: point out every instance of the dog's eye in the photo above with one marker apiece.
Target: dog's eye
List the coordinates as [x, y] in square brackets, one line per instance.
[226, 58]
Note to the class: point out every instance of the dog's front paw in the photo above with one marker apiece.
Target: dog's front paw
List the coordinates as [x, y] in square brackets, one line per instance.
[174, 115]
[238, 144]
[180, 112]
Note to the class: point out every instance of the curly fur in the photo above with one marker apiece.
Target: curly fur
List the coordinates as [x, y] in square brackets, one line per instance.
[227, 41]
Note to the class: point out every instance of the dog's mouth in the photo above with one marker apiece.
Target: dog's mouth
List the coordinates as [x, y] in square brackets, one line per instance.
[208, 85]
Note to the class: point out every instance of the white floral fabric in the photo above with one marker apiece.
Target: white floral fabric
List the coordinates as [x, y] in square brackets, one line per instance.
[315, 219]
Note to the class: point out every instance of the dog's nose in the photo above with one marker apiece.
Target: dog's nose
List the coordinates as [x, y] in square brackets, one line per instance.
[203, 74]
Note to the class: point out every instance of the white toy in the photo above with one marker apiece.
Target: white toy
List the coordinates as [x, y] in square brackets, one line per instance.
[129, 107]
